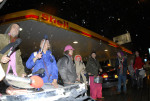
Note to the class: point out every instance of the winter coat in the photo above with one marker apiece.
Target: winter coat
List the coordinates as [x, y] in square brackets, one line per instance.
[92, 66]
[4, 40]
[67, 69]
[79, 66]
[47, 62]
[80, 69]
[124, 64]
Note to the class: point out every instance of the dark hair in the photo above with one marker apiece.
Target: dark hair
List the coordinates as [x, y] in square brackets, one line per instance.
[66, 52]
[93, 52]
[122, 54]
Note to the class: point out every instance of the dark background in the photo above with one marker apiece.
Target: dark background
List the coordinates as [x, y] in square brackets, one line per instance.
[100, 16]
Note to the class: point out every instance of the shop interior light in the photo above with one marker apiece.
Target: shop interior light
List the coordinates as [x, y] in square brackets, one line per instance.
[105, 50]
[75, 42]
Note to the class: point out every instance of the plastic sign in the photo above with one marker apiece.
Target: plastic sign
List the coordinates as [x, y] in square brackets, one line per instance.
[122, 39]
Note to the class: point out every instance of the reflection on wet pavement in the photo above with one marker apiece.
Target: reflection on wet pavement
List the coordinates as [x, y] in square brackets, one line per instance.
[133, 94]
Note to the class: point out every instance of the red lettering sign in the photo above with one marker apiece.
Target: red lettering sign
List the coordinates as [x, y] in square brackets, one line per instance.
[53, 20]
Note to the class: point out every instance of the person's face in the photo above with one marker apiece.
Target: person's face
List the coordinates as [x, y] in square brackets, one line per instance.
[93, 55]
[71, 52]
[14, 31]
[78, 58]
[119, 54]
[137, 53]
[46, 46]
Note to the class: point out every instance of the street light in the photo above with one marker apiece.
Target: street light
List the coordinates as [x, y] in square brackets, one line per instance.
[149, 50]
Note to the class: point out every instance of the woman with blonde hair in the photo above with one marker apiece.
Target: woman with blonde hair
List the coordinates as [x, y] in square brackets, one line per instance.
[44, 59]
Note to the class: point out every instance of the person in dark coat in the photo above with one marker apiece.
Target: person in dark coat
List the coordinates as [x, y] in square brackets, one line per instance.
[66, 67]
[121, 67]
[93, 67]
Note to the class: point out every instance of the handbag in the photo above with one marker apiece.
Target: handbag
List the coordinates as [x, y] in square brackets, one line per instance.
[98, 79]
[142, 73]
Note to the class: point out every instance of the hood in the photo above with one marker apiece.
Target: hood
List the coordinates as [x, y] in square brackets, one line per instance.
[8, 29]
[75, 57]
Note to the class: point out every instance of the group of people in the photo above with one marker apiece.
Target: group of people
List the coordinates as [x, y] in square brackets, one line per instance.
[135, 69]
[71, 71]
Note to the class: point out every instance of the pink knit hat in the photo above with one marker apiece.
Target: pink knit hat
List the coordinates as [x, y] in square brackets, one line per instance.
[68, 47]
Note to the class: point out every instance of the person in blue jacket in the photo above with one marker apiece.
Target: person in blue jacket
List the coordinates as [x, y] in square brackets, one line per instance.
[45, 60]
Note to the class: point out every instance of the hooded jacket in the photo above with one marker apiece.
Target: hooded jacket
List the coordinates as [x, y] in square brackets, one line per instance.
[47, 61]
[67, 69]
[79, 66]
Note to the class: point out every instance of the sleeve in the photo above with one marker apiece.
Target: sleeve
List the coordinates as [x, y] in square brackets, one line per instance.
[84, 66]
[88, 67]
[30, 63]
[62, 63]
[116, 64]
[1, 45]
[125, 63]
[1, 55]
[136, 63]
[55, 69]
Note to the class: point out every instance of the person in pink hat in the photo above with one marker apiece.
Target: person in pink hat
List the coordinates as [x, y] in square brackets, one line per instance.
[66, 67]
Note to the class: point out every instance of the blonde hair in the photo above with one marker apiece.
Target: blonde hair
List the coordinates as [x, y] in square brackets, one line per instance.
[50, 47]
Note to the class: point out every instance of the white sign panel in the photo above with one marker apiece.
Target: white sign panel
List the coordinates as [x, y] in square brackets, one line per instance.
[122, 39]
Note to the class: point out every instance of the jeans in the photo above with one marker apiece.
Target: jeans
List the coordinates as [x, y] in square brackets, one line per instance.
[120, 79]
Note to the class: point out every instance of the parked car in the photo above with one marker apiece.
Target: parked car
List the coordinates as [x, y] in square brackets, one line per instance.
[110, 77]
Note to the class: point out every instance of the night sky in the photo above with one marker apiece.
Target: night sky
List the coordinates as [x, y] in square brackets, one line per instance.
[108, 18]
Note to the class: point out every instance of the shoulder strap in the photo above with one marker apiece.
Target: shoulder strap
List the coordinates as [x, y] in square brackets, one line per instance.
[46, 70]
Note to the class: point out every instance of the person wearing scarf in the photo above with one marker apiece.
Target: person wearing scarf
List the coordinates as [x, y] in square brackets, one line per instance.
[121, 67]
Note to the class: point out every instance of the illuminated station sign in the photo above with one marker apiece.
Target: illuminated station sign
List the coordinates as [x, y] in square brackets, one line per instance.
[55, 21]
